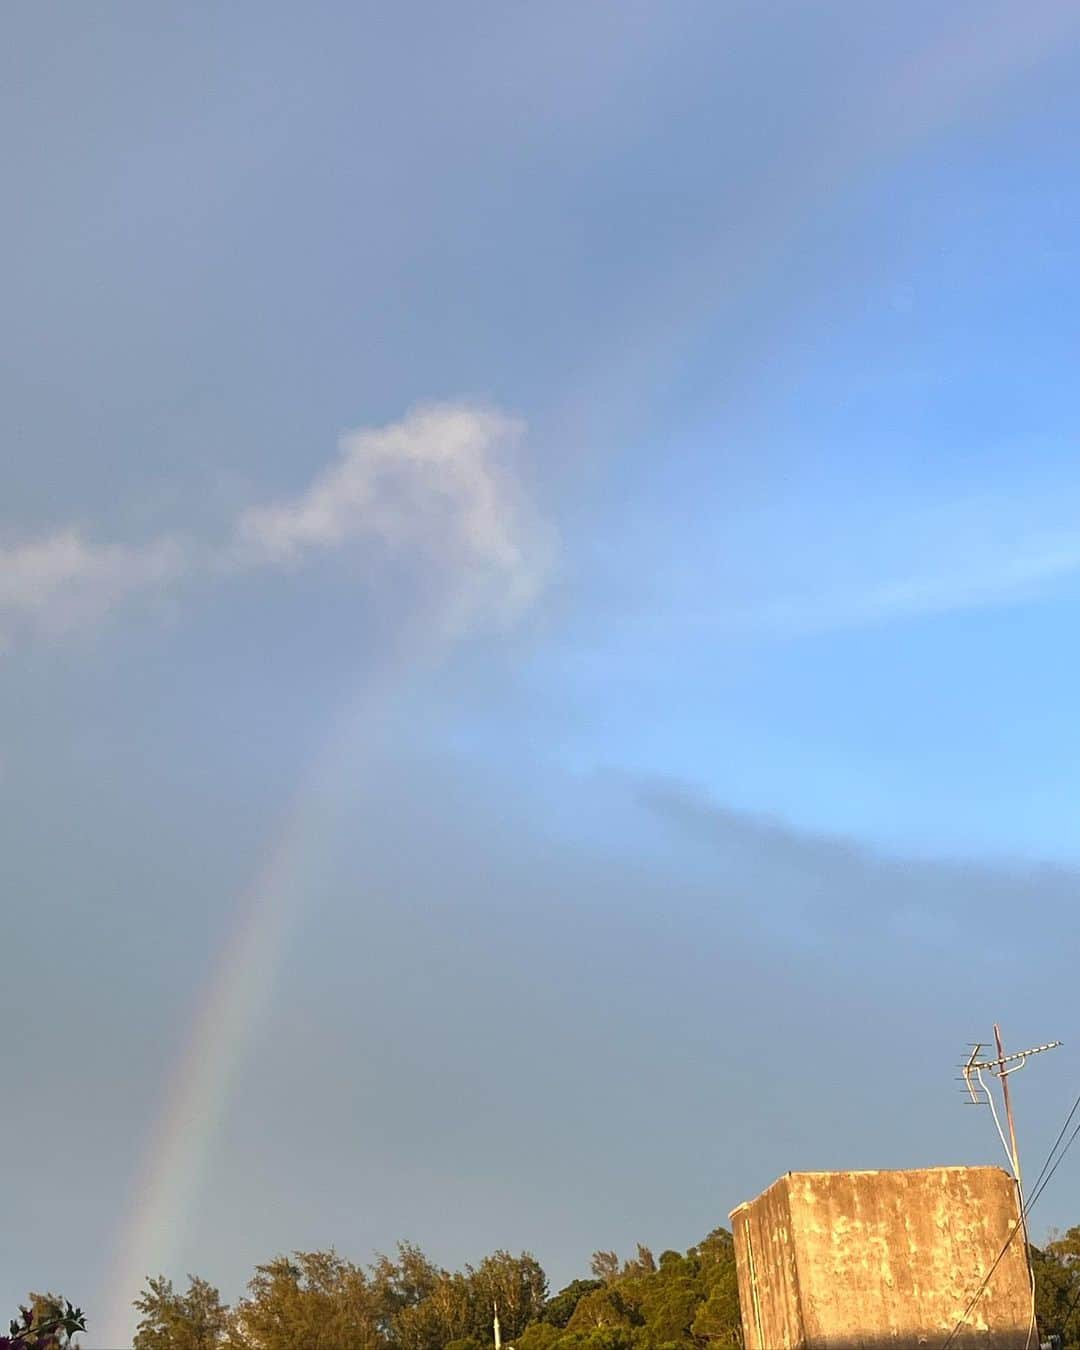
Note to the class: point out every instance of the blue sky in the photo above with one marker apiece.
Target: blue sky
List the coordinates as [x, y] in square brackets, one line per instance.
[602, 482]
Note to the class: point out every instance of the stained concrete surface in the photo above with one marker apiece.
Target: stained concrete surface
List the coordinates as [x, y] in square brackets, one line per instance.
[868, 1260]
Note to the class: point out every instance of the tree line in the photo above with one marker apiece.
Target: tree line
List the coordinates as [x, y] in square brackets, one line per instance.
[321, 1301]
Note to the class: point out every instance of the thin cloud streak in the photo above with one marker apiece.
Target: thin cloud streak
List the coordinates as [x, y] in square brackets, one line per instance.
[825, 893]
[1024, 577]
[790, 574]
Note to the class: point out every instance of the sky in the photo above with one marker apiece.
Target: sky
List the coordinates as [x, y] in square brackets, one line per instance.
[539, 572]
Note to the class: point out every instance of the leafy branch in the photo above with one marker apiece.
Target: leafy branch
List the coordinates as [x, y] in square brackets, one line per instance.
[44, 1332]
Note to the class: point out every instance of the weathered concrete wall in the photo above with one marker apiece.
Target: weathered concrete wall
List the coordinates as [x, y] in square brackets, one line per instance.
[765, 1266]
[854, 1260]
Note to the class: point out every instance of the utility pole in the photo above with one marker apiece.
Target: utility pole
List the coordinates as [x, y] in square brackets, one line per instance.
[1001, 1068]
[1021, 1204]
[1003, 1074]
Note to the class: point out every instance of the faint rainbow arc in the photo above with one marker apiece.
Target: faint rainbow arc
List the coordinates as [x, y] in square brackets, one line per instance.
[197, 1094]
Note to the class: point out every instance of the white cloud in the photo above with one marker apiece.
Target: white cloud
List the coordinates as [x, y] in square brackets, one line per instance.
[434, 490]
[61, 581]
[433, 487]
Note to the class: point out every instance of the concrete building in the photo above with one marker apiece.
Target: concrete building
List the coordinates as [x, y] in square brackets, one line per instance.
[869, 1260]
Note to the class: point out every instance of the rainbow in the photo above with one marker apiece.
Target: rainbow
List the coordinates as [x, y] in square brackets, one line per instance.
[926, 93]
[166, 1192]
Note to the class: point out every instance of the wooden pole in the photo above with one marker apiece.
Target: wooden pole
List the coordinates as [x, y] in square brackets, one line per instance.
[1034, 1331]
[1008, 1104]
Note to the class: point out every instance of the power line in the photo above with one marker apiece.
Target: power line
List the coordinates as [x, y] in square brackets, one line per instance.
[1020, 1226]
[1061, 1133]
[978, 1292]
[1039, 1191]
[1025, 1211]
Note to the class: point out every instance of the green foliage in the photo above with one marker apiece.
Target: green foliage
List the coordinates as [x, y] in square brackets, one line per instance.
[1065, 1248]
[681, 1302]
[1057, 1289]
[605, 1308]
[320, 1301]
[605, 1266]
[559, 1310]
[316, 1300]
[601, 1338]
[48, 1322]
[539, 1335]
[716, 1320]
[197, 1320]
[517, 1285]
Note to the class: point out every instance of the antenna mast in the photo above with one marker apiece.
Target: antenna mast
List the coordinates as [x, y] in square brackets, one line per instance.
[980, 1095]
[1004, 1075]
[999, 1068]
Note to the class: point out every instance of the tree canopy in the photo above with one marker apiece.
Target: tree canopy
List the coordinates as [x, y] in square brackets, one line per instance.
[677, 1301]
[321, 1301]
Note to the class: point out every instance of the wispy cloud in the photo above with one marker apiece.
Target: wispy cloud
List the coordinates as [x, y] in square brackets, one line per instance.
[794, 570]
[62, 580]
[820, 891]
[435, 489]
[1011, 577]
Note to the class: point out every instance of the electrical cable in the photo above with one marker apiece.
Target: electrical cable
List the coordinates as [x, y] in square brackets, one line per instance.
[1061, 1133]
[1041, 1184]
[993, 1112]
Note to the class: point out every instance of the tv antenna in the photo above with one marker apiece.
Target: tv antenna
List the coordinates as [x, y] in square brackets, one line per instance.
[1000, 1068]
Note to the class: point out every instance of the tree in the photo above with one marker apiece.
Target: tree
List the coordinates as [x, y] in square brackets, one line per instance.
[517, 1285]
[683, 1301]
[419, 1306]
[538, 1336]
[449, 1311]
[314, 1300]
[601, 1338]
[406, 1282]
[717, 1321]
[320, 1301]
[197, 1320]
[605, 1266]
[559, 1310]
[668, 1301]
[604, 1308]
[1057, 1294]
[1064, 1247]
